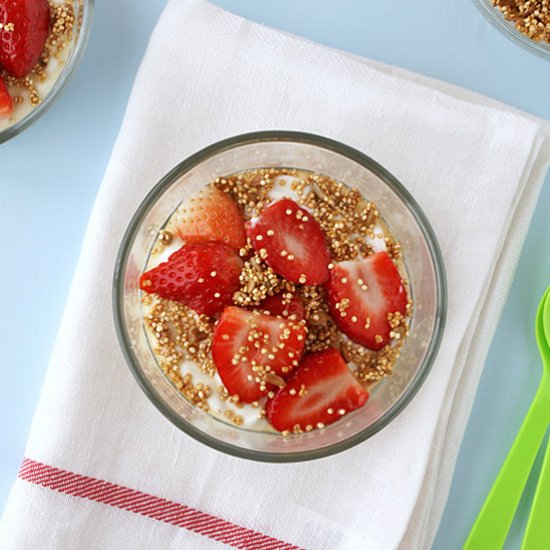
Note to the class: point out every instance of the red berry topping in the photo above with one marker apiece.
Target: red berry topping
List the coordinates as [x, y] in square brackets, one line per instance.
[203, 276]
[249, 347]
[319, 392]
[210, 215]
[6, 102]
[25, 27]
[291, 242]
[361, 294]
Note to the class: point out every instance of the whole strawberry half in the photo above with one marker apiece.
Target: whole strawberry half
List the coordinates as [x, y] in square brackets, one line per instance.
[292, 242]
[21, 46]
[285, 304]
[210, 215]
[6, 102]
[361, 294]
[248, 347]
[319, 392]
[203, 276]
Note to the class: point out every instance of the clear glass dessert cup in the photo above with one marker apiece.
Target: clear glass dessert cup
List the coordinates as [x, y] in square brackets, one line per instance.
[83, 17]
[407, 223]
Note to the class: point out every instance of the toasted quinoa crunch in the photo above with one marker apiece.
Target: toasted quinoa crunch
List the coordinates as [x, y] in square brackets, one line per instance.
[531, 17]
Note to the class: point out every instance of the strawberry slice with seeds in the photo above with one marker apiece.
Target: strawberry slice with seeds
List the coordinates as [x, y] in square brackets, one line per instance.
[25, 27]
[203, 276]
[291, 242]
[361, 295]
[285, 304]
[6, 102]
[319, 392]
[210, 215]
[249, 347]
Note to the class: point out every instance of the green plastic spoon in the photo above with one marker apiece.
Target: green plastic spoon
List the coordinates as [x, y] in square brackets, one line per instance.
[493, 522]
[537, 534]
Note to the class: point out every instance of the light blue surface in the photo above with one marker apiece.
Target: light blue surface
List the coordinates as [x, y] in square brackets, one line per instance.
[49, 176]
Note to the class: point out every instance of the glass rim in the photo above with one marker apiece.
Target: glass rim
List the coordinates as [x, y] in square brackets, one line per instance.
[64, 77]
[324, 143]
[507, 28]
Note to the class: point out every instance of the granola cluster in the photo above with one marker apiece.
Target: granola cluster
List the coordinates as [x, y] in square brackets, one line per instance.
[531, 17]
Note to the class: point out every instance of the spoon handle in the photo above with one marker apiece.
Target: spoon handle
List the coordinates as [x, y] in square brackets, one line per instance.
[493, 522]
[537, 534]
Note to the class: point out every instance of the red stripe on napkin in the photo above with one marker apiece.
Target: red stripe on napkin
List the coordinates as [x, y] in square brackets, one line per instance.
[153, 507]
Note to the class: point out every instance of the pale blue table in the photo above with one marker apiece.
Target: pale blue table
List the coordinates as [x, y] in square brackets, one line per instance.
[49, 176]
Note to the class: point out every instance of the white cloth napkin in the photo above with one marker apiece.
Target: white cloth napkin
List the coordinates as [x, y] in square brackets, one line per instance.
[474, 165]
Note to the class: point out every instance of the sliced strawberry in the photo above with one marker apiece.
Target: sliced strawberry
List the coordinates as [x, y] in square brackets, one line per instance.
[6, 102]
[203, 276]
[319, 392]
[361, 294]
[25, 27]
[210, 215]
[286, 304]
[248, 347]
[291, 242]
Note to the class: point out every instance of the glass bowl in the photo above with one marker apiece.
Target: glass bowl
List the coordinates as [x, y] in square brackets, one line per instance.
[83, 15]
[406, 221]
[508, 29]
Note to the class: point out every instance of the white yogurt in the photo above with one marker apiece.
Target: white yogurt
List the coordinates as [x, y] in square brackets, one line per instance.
[218, 406]
[378, 243]
[282, 188]
[164, 253]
